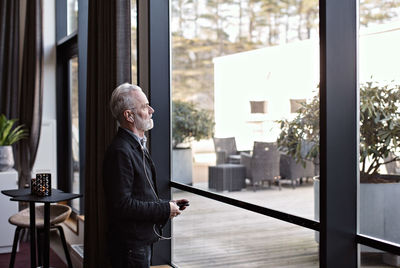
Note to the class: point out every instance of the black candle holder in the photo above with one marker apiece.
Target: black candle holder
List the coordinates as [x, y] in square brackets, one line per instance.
[41, 185]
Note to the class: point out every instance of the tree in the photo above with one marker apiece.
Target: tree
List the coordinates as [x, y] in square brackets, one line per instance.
[372, 11]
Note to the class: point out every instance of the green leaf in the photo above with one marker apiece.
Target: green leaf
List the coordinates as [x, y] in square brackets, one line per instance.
[8, 135]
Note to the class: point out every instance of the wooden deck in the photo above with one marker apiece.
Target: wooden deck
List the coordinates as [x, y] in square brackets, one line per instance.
[212, 234]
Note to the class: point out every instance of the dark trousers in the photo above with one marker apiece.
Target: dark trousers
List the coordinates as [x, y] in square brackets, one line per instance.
[131, 256]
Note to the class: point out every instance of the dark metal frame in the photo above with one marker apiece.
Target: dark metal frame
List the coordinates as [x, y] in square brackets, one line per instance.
[153, 45]
[377, 243]
[339, 238]
[339, 123]
[310, 224]
[68, 47]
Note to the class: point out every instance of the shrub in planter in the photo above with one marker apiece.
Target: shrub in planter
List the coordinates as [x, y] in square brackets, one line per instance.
[299, 137]
[190, 123]
[379, 127]
[379, 130]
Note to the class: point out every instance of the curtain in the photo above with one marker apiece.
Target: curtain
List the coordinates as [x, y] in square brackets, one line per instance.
[109, 64]
[9, 57]
[30, 109]
[22, 99]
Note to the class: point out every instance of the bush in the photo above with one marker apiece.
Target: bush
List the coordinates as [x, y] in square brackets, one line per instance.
[379, 128]
[189, 123]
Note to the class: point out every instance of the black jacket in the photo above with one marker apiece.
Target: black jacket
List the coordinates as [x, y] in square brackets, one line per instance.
[132, 206]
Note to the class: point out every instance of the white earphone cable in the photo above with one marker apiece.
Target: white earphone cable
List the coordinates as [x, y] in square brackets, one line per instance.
[155, 194]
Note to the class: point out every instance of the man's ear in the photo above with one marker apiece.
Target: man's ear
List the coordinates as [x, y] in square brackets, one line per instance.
[128, 117]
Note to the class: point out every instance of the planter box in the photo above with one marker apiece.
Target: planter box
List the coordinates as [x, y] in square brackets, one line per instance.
[182, 163]
[379, 211]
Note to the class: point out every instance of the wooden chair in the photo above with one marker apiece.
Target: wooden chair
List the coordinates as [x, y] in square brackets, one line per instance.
[58, 214]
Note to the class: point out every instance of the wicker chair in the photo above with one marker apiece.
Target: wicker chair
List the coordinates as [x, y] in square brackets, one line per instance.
[226, 151]
[294, 172]
[263, 165]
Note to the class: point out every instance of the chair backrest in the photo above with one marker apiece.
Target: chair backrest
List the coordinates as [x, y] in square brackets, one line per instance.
[290, 169]
[265, 161]
[227, 145]
[260, 147]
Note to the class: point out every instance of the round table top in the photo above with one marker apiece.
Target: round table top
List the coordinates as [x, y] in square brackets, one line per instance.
[26, 196]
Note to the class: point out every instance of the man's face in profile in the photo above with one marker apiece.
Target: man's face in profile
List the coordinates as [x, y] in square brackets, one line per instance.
[143, 112]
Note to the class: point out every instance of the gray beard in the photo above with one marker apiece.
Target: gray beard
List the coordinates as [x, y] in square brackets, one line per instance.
[144, 125]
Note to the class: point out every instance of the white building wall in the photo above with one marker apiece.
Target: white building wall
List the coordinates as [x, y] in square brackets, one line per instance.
[274, 74]
[291, 71]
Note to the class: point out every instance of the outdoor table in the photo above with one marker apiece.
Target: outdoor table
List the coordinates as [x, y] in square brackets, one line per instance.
[229, 177]
[25, 195]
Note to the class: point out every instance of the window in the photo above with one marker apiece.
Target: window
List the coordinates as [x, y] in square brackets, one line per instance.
[379, 38]
[134, 40]
[71, 97]
[74, 115]
[72, 16]
[236, 66]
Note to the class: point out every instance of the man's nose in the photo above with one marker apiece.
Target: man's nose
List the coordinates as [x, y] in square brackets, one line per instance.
[151, 110]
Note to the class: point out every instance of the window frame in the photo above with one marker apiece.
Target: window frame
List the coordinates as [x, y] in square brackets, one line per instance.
[68, 47]
[338, 227]
[339, 224]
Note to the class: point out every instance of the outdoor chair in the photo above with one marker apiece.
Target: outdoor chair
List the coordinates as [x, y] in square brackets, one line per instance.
[263, 165]
[294, 172]
[225, 149]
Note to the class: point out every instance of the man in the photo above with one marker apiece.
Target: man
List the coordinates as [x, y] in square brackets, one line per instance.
[135, 212]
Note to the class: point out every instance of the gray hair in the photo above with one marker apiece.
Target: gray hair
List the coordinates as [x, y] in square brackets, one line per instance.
[122, 100]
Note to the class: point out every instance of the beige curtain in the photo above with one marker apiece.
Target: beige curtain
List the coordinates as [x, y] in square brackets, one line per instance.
[22, 99]
[31, 100]
[9, 57]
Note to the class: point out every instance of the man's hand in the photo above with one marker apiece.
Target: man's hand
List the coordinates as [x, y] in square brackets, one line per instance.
[174, 210]
[182, 203]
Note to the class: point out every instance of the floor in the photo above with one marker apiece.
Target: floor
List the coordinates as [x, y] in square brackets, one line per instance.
[22, 258]
[213, 234]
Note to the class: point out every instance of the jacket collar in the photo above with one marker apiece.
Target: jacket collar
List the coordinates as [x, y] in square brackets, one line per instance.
[126, 136]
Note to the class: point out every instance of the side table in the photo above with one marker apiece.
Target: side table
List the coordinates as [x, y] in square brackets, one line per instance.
[229, 177]
[26, 196]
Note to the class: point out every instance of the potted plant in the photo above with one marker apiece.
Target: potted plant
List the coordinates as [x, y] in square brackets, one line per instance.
[188, 124]
[379, 130]
[299, 138]
[379, 142]
[9, 136]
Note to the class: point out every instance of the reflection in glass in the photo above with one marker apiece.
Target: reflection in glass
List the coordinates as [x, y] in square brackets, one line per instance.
[212, 234]
[72, 16]
[253, 67]
[379, 75]
[133, 40]
[74, 108]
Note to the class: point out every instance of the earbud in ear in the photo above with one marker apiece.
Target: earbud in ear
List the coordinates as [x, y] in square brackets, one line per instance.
[131, 118]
